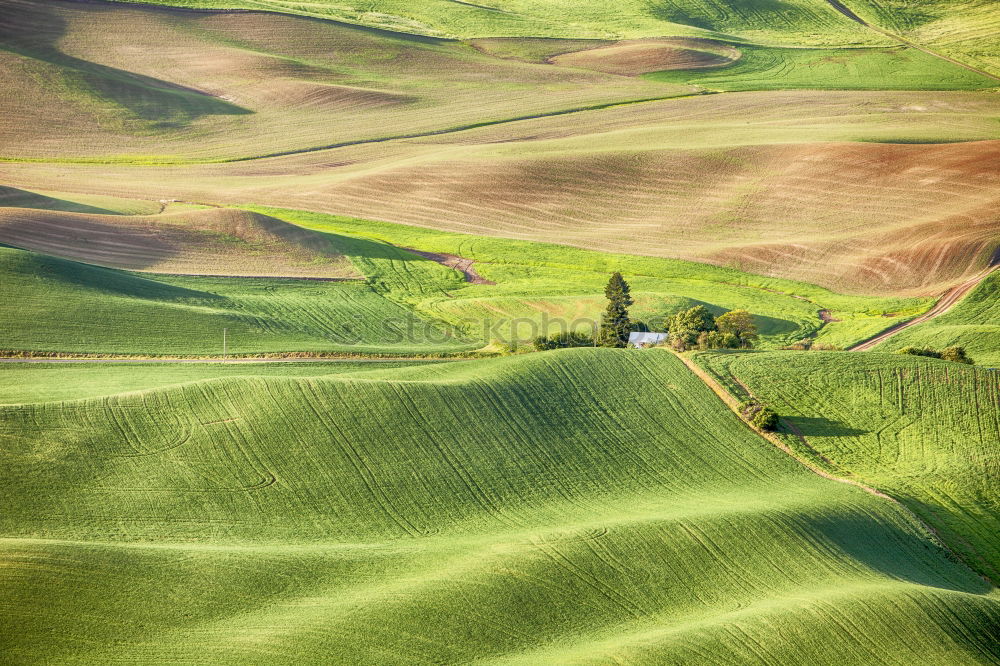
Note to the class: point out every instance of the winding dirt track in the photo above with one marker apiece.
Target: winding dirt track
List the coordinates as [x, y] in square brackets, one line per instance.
[945, 303]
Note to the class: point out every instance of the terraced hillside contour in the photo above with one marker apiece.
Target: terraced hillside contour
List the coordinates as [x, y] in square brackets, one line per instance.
[517, 515]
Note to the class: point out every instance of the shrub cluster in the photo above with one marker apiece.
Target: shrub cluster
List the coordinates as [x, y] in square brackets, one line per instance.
[759, 415]
[808, 344]
[696, 328]
[562, 340]
[955, 354]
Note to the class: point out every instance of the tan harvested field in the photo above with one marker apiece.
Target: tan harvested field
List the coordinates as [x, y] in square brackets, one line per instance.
[216, 241]
[821, 186]
[630, 58]
[106, 81]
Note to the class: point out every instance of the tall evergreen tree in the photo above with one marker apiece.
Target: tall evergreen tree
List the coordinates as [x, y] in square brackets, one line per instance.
[615, 324]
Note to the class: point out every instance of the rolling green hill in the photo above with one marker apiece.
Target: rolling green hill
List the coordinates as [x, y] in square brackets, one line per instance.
[526, 289]
[423, 186]
[587, 505]
[973, 323]
[925, 431]
[55, 305]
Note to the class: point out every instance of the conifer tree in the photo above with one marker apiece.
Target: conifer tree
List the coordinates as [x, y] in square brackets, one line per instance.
[615, 324]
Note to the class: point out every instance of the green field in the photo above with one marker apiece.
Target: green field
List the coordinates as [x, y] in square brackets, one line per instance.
[809, 21]
[371, 208]
[514, 516]
[762, 68]
[51, 381]
[539, 281]
[925, 431]
[405, 304]
[55, 305]
[973, 323]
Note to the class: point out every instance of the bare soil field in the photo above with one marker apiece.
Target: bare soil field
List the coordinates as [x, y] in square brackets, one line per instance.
[784, 195]
[202, 242]
[634, 57]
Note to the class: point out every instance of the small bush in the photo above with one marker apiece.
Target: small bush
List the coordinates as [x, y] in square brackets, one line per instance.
[759, 415]
[765, 419]
[562, 340]
[953, 354]
[919, 351]
[956, 355]
[719, 340]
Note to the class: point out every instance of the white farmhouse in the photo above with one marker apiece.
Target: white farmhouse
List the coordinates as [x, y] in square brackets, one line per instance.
[640, 340]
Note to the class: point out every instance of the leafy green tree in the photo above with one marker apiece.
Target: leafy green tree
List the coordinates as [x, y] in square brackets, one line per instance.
[740, 324]
[759, 415]
[718, 340]
[615, 324]
[686, 326]
[765, 419]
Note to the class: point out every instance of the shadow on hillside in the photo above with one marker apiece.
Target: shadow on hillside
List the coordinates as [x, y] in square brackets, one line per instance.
[901, 554]
[12, 197]
[818, 426]
[34, 31]
[774, 326]
[41, 268]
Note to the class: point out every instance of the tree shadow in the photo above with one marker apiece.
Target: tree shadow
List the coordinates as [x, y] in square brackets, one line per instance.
[818, 426]
[774, 326]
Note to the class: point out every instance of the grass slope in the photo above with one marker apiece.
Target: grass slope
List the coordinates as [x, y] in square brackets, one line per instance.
[57, 305]
[540, 282]
[53, 381]
[973, 323]
[927, 432]
[898, 68]
[524, 510]
[967, 30]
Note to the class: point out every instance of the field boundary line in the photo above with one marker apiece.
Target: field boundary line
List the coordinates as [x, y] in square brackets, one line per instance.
[733, 404]
[945, 302]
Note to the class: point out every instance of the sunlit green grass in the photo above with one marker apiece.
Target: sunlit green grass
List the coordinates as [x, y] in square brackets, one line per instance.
[56, 305]
[762, 68]
[973, 323]
[550, 508]
[924, 430]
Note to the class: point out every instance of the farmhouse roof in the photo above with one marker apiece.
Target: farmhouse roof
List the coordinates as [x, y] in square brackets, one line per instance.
[643, 339]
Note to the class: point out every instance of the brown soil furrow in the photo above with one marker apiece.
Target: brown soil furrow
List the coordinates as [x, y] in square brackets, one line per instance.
[460, 264]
